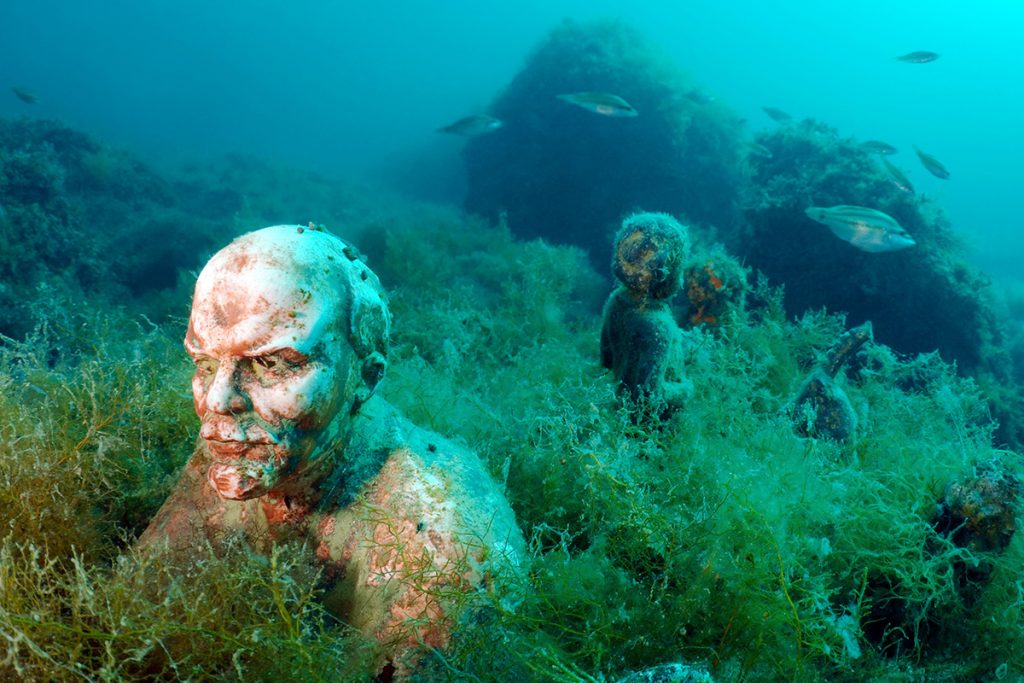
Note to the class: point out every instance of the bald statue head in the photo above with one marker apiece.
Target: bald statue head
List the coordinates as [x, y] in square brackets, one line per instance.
[289, 335]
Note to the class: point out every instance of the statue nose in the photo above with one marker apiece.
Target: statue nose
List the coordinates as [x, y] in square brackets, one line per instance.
[225, 396]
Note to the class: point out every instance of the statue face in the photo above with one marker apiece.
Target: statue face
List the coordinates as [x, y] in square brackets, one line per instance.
[275, 373]
[649, 251]
[640, 258]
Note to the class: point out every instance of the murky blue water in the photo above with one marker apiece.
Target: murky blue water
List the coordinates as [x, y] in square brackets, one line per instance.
[360, 87]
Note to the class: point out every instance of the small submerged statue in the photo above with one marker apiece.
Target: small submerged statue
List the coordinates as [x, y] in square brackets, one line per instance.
[641, 343]
[974, 523]
[978, 512]
[289, 335]
[822, 409]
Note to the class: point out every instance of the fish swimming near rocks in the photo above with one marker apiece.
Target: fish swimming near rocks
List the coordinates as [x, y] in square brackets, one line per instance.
[867, 229]
[25, 95]
[933, 165]
[699, 97]
[473, 125]
[898, 178]
[919, 57]
[776, 114]
[877, 147]
[602, 103]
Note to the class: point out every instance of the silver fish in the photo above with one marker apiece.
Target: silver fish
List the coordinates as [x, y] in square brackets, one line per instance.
[919, 57]
[25, 95]
[776, 114]
[878, 147]
[602, 103]
[699, 97]
[933, 165]
[473, 125]
[867, 229]
[898, 178]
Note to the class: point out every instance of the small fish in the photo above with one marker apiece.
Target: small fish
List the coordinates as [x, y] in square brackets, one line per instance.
[933, 165]
[699, 97]
[919, 57]
[25, 95]
[602, 103]
[867, 229]
[470, 126]
[898, 178]
[776, 114]
[877, 147]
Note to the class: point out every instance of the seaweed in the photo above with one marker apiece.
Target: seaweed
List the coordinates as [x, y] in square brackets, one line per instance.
[719, 536]
[810, 164]
[722, 535]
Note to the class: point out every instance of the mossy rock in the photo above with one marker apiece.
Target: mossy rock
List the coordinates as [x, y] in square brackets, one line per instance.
[569, 175]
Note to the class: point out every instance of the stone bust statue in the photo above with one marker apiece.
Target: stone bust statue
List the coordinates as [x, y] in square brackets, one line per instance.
[289, 336]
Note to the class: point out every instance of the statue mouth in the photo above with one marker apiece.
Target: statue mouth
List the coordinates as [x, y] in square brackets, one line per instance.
[238, 482]
[231, 449]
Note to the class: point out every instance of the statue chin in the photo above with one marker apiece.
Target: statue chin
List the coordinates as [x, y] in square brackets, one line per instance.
[240, 481]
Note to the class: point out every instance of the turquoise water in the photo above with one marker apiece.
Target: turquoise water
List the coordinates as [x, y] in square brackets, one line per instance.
[359, 89]
[737, 533]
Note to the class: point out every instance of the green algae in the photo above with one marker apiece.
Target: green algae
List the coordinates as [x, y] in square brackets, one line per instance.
[720, 537]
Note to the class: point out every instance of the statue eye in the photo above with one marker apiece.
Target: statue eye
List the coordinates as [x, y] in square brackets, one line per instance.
[277, 364]
[268, 362]
[206, 367]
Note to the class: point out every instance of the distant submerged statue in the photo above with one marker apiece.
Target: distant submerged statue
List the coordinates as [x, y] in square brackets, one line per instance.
[641, 343]
[289, 336]
[821, 409]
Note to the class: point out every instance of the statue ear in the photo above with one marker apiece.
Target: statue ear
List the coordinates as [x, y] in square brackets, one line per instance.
[373, 369]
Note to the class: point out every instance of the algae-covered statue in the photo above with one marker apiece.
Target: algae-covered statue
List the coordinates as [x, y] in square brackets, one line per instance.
[289, 335]
[821, 409]
[641, 343]
[979, 512]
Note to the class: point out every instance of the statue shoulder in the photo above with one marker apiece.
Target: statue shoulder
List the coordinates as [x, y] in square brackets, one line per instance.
[384, 429]
[426, 474]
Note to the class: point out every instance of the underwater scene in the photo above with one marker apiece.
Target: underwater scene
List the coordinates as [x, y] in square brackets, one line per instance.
[593, 342]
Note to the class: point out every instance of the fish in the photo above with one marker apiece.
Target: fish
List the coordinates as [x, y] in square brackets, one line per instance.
[699, 97]
[867, 229]
[24, 94]
[776, 114]
[473, 125]
[933, 165]
[919, 57]
[878, 147]
[898, 178]
[602, 103]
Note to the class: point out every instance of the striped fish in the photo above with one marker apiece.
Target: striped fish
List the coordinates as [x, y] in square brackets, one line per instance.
[919, 57]
[471, 126]
[933, 165]
[867, 229]
[602, 103]
[899, 179]
[878, 147]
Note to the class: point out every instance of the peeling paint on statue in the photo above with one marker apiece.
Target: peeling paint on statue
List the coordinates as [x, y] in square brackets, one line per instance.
[289, 334]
